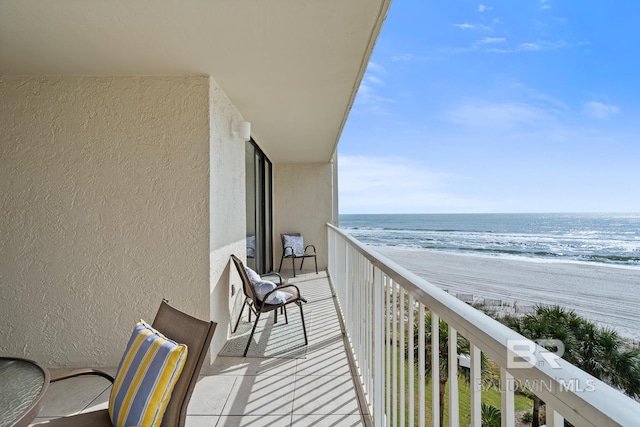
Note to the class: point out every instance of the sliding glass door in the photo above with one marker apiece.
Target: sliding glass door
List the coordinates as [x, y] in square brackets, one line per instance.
[259, 206]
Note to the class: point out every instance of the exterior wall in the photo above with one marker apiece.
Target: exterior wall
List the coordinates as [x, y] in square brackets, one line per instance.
[227, 205]
[303, 199]
[105, 210]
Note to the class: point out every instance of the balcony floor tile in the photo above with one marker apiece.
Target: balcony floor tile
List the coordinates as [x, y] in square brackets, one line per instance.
[261, 395]
[251, 421]
[72, 396]
[236, 366]
[316, 420]
[211, 394]
[325, 395]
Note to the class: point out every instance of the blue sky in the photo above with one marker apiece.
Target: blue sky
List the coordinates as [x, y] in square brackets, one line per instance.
[506, 106]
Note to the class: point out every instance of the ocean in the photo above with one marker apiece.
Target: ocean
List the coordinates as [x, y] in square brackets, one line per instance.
[594, 238]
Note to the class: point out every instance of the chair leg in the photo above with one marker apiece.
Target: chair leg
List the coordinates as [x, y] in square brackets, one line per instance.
[255, 325]
[281, 258]
[302, 263]
[315, 258]
[240, 317]
[304, 327]
[283, 310]
[293, 263]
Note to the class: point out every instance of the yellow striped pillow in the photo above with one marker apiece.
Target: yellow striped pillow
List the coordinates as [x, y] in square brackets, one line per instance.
[148, 371]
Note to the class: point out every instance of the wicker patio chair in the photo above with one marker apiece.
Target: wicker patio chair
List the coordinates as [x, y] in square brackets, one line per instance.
[293, 247]
[258, 306]
[177, 326]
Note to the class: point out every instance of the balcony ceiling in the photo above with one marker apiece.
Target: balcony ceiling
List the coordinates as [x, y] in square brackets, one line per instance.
[291, 67]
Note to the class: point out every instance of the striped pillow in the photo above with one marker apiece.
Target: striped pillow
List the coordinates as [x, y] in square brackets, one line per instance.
[148, 371]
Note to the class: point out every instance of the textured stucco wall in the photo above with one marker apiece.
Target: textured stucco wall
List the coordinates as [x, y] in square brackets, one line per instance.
[227, 207]
[303, 203]
[104, 189]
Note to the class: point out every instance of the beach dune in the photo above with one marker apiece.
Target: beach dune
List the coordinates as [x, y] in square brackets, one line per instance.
[607, 295]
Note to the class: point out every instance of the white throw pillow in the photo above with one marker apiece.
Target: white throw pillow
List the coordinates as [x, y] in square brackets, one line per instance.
[295, 242]
[263, 287]
[253, 276]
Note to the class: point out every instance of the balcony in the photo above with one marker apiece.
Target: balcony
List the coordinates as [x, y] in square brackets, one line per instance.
[317, 389]
[364, 376]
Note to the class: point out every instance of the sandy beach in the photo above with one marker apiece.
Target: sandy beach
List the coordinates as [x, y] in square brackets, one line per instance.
[607, 295]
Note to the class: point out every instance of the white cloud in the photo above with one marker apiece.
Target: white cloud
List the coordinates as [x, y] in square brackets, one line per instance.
[535, 47]
[541, 99]
[465, 26]
[496, 116]
[368, 99]
[402, 57]
[600, 111]
[476, 27]
[373, 66]
[374, 80]
[545, 7]
[530, 46]
[392, 184]
[483, 8]
[409, 57]
[491, 40]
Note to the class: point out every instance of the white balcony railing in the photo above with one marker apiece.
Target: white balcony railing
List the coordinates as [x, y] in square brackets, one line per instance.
[379, 302]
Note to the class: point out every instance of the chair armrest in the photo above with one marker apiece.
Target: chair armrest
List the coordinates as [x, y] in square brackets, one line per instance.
[284, 251]
[275, 273]
[263, 302]
[310, 246]
[80, 372]
[283, 282]
[300, 297]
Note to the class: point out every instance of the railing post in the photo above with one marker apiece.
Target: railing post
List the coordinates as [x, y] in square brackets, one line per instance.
[350, 290]
[345, 287]
[394, 373]
[331, 248]
[421, 367]
[507, 399]
[355, 306]
[476, 386]
[368, 327]
[378, 343]
[454, 401]
[554, 419]
[411, 348]
[388, 349]
[435, 368]
[371, 327]
[402, 324]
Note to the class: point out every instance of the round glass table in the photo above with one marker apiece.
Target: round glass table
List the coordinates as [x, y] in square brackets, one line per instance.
[23, 384]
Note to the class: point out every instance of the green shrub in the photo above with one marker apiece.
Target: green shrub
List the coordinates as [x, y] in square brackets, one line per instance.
[491, 416]
[527, 417]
